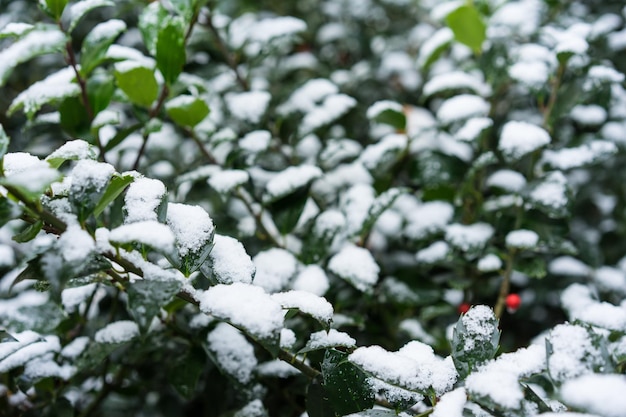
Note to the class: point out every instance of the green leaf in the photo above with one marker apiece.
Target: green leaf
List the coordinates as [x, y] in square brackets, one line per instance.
[187, 110]
[475, 339]
[120, 136]
[138, 83]
[4, 142]
[185, 373]
[317, 401]
[41, 41]
[534, 266]
[468, 27]
[95, 354]
[74, 117]
[16, 30]
[116, 186]
[382, 203]
[147, 297]
[78, 149]
[170, 50]
[287, 210]
[8, 210]
[29, 233]
[43, 318]
[96, 43]
[345, 385]
[54, 8]
[78, 10]
[152, 18]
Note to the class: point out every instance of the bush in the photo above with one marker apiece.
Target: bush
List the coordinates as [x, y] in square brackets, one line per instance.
[322, 208]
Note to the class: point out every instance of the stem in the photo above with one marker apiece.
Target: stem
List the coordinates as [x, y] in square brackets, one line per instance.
[554, 92]
[258, 216]
[153, 113]
[292, 360]
[207, 155]
[228, 56]
[505, 286]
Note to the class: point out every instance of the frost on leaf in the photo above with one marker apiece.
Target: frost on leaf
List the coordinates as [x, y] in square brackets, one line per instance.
[357, 266]
[71, 151]
[520, 138]
[475, 339]
[228, 262]
[52, 89]
[27, 346]
[246, 306]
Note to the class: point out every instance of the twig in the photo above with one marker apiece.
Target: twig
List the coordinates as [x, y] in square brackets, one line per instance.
[258, 217]
[292, 360]
[151, 115]
[505, 286]
[554, 93]
[228, 56]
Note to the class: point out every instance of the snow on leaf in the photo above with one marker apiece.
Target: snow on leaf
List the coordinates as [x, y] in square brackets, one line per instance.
[290, 180]
[451, 404]
[274, 269]
[461, 107]
[248, 106]
[52, 89]
[81, 8]
[507, 179]
[72, 150]
[436, 252]
[473, 128]
[520, 138]
[28, 346]
[469, 237]
[328, 339]
[306, 97]
[489, 263]
[147, 232]
[117, 332]
[522, 239]
[246, 306]
[551, 194]
[569, 158]
[428, 218]
[28, 173]
[234, 354]
[380, 154]
[311, 304]
[332, 108]
[456, 80]
[192, 227]
[229, 262]
[225, 181]
[143, 199]
[40, 41]
[432, 47]
[313, 279]
[14, 29]
[379, 107]
[355, 265]
[572, 353]
[606, 398]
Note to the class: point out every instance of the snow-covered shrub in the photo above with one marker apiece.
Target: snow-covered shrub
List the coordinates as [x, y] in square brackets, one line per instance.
[322, 208]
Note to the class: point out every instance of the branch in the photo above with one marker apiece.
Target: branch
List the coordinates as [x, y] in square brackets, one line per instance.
[153, 113]
[554, 93]
[258, 216]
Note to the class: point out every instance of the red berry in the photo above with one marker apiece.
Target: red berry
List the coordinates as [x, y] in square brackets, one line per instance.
[464, 308]
[513, 302]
